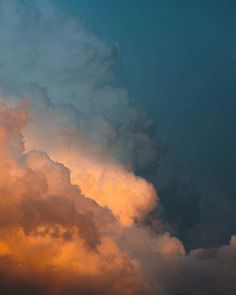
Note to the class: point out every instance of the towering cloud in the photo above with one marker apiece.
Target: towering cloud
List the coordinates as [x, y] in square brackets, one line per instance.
[48, 229]
[91, 124]
[72, 210]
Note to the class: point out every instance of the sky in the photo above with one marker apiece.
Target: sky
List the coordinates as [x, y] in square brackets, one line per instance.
[117, 126]
[178, 59]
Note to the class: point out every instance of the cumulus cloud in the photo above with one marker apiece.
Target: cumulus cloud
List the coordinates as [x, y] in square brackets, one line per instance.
[92, 126]
[72, 210]
[76, 67]
[82, 143]
[48, 228]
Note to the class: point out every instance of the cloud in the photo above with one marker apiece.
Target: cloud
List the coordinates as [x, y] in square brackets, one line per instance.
[49, 229]
[76, 67]
[93, 127]
[72, 209]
